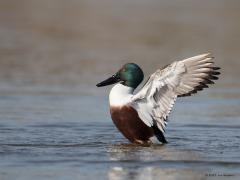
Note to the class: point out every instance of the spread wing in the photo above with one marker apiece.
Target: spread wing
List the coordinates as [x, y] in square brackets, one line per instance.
[155, 100]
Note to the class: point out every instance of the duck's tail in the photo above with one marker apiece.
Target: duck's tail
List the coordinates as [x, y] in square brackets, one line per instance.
[159, 134]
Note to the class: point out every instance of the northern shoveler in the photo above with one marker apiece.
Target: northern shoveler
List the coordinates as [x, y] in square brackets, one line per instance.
[142, 116]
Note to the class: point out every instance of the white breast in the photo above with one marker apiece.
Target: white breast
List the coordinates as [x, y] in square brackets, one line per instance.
[120, 95]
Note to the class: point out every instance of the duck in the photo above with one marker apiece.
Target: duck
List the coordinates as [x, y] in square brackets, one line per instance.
[142, 116]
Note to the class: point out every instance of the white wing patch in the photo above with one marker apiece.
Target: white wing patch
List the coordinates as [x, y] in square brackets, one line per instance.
[155, 100]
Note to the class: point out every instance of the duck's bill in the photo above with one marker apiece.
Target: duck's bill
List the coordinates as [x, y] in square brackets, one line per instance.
[109, 81]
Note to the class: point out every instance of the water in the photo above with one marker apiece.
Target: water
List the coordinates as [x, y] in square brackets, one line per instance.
[57, 137]
[55, 123]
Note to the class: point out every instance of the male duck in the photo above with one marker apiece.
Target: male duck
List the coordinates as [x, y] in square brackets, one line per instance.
[143, 115]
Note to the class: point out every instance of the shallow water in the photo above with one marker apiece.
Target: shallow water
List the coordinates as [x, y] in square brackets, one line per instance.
[57, 137]
[55, 123]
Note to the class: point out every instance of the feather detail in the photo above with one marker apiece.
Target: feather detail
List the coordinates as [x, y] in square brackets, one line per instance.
[156, 99]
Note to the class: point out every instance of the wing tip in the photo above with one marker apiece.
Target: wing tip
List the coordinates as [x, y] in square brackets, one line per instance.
[213, 75]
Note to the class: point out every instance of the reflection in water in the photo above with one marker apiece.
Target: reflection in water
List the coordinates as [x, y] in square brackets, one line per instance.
[150, 173]
[137, 162]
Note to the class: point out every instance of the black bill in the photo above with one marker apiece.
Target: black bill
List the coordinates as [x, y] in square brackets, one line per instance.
[109, 81]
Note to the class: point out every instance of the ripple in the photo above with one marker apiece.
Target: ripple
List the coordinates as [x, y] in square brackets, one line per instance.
[223, 126]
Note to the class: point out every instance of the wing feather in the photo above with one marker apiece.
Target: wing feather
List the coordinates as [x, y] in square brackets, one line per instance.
[155, 100]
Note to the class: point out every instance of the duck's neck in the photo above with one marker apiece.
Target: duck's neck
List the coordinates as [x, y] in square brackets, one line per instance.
[120, 95]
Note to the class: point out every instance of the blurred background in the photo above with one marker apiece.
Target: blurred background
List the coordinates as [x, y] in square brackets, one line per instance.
[61, 43]
[54, 121]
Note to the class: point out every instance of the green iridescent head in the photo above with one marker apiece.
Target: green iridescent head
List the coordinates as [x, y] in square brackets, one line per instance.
[130, 75]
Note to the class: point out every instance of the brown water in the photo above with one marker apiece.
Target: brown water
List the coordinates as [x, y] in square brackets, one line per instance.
[55, 123]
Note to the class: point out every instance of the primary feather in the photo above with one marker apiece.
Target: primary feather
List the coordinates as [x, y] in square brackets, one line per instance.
[155, 100]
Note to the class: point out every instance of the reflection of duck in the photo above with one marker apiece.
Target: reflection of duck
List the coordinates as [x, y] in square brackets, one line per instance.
[148, 163]
[144, 115]
[151, 173]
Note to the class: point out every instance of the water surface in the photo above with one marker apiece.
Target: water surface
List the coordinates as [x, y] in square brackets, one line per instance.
[58, 136]
[55, 123]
